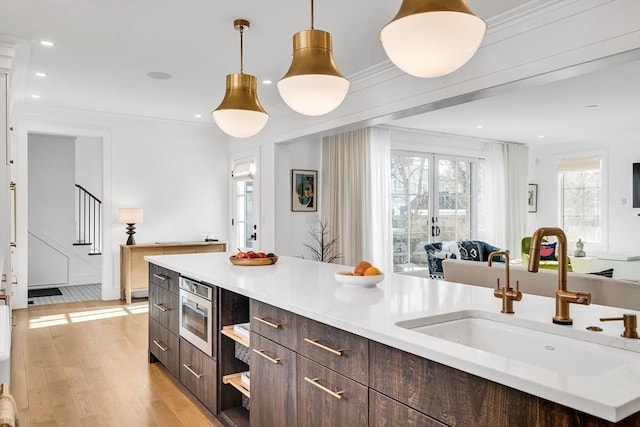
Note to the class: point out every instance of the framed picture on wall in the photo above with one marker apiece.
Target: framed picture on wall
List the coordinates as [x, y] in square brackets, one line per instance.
[303, 190]
[532, 198]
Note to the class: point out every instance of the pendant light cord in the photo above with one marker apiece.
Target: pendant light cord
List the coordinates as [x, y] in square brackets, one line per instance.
[312, 14]
[241, 50]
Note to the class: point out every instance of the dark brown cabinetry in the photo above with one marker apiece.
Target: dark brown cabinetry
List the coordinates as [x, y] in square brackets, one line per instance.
[326, 398]
[273, 384]
[163, 319]
[198, 374]
[385, 412]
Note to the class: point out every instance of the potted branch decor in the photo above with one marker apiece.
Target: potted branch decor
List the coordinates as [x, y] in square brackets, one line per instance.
[322, 246]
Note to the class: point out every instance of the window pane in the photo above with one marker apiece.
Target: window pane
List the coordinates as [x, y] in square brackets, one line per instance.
[581, 205]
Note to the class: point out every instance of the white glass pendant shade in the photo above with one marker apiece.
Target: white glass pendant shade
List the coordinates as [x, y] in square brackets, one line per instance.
[240, 114]
[426, 41]
[313, 85]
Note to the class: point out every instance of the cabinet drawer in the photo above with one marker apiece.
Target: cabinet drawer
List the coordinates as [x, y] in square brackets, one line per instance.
[273, 384]
[164, 278]
[164, 346]
[164, 308]
[274, 323]
[198, 374]
[326, 398]
[334, 348]
[386, 412]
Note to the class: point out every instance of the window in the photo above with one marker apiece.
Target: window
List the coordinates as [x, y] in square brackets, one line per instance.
[581, 198]
[433, 199]
[244, 226]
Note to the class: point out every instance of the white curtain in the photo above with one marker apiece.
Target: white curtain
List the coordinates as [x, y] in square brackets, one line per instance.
[495, 198]
[506, 195]
[516, 184]
[379, 226]
[346, 193]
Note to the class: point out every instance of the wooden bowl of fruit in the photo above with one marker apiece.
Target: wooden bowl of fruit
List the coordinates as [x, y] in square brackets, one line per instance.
[253, 258]
[364, 275]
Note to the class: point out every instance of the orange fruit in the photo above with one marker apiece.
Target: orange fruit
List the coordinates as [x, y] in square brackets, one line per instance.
[372, 271]
[361, 267]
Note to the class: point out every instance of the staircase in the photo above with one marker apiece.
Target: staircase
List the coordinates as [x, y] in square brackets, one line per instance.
[89, 232]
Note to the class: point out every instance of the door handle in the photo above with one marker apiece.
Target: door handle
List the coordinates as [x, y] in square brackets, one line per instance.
[254, 236]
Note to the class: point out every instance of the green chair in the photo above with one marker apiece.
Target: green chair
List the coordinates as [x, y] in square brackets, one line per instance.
[548, 264]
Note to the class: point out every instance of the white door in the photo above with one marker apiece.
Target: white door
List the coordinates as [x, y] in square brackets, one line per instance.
[245, 233]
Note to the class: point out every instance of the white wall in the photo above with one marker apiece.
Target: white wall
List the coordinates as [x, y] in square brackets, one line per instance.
[292, 228]
[89, 164]
[619, 218]
[177, 172]
[51, 207]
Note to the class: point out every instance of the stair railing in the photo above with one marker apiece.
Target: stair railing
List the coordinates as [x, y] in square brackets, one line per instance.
[89, 232]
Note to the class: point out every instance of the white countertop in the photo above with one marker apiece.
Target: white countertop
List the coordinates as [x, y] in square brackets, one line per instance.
[308, 288]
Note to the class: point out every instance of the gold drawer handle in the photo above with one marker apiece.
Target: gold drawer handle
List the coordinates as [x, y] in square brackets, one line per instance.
[266, 322]
[195, 374]
[324, 347]
[160, 276]
[160, 346]
[269, 358]
[336, 394]
[160, 307]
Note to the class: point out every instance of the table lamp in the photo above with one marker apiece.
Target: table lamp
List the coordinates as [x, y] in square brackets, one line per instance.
[131, 217]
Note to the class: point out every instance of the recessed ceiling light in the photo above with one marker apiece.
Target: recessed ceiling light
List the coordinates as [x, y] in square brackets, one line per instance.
[46, 43]
[479, 127]
[198, 116]
[35, 96]
[266, 82]
[159, 75]
[540, 136]
[39, 74]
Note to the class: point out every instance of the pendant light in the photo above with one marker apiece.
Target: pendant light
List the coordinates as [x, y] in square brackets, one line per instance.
[240, 114]
[313, 85]
[431, 38]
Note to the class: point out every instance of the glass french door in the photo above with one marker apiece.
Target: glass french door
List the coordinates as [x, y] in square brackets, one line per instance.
[245, 209]
[432, 200]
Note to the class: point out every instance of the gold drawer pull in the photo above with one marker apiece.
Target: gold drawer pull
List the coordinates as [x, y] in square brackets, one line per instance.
[160, 307]
[336, 394]
[160, 276]
[195, 374]
[269, 358]
[266, 322]
[160, 346]
[324, 347]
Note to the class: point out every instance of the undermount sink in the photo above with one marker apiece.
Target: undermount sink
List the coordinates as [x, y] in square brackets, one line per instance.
[499, 336]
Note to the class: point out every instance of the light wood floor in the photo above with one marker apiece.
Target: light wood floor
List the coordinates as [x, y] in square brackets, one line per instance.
[86, 364]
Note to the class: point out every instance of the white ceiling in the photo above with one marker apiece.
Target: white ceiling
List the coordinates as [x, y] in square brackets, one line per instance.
[602, 105]
[105, 48]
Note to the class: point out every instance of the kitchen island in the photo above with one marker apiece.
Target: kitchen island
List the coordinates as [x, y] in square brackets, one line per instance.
[400, 363]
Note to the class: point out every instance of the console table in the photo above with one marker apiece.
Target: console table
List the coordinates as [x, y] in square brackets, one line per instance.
[134, 270]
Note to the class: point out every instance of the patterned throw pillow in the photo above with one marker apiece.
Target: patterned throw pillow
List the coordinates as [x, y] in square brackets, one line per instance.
[470, 250]
[548, 251]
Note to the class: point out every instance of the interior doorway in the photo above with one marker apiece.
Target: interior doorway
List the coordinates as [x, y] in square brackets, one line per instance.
[65, 218]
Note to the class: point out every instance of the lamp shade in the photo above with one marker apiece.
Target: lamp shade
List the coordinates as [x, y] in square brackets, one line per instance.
[313, 85]
[432, 38]
[240, 114]
[130, 215]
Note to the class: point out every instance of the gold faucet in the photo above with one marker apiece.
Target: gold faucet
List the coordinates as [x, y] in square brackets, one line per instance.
[506, 294]
[563, 296]
[630, 325]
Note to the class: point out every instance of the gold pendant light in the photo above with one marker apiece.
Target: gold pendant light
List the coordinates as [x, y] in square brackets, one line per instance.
[240, 114]
[431, 38]
[313, 85]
